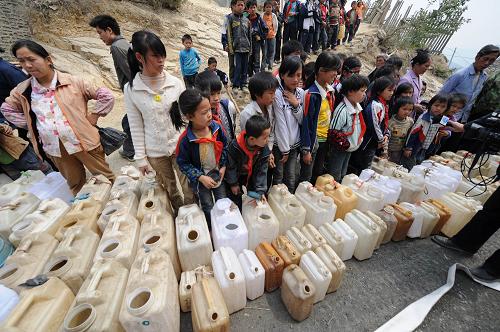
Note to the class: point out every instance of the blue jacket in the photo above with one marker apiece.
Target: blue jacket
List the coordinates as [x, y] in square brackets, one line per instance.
[188, 153]
[10, 77]
[190, 61]
[259, 28]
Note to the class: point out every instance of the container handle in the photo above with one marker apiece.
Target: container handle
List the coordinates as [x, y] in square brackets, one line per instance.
[25, 245]
[145, 265]
[94, 282]
[225, 260]
[68, 240]
[116, 225]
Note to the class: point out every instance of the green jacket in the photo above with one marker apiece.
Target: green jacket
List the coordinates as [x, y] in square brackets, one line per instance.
[488, 99]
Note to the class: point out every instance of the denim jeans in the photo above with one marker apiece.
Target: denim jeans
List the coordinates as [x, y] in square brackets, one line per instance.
[128, 145]
[337, 163]
[240, 69]
[189, 80]
[231, 67]
[270, 50]
[307, 39]
[323, 38]
[316, 36]
[254, 63]
[334, 32]
[285, 173]
[207, 200]
[306, 170]
[28, 160]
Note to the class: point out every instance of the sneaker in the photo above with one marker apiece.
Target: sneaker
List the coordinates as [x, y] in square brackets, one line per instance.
[481, 273]
[270, 68]
[124, 156]
[277, 62]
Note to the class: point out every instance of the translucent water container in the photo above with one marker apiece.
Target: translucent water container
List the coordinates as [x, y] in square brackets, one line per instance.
[9, 191]
[313, 235]
[430, 219]
[194, 245]
[262, 224]
[381, 225]
[273, 265]
[286, 207]
[297, 293]
[367, 231]
[28, 260]
[41, 308]
[15, 210]
[119, 240]
[299, 241]
[154, 201]
[333, 262]
[151, 299]
[97, 305]
[6, 249]
[229, 275]
[121, 202]
[286, 250]
[462, 211]
[332, 237]
[188, 279]
[82, 213]
[412, 188]
[415, 230]
[390, 188]
[130, 181]
[254, 274]
[444, 214]
[319, 208]
[349, 238]
[317, 272]
[370, 198]
[393, 169]
[476, 189]
[53, 185]
[45, 218]
[345, 199]
[72, 259]
[228, 227]
[405, 219]
[208, 308]
[97, 187]
[388, 217]
[8, 300]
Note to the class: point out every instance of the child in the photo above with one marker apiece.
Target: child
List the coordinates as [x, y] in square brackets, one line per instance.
[402, 90]
[341, 35]
[376, 116]
[318, 106]
[271, 21]
[454, 128]
[347, 126]
[154, 116]
[237, 42]
[291, 20]
[360, 10]
[212, 66]
[322, 34]
[308, 13]
[334, 23]
[424, 132]
[190, 61]
[248, 158]
[288, 112]
[223, 110]
[399, 126]
[279, 32]
[202, 150]
[259, 35]
[350, 66]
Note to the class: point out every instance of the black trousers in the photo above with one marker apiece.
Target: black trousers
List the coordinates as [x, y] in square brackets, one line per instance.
[482, 226]
[290, 31]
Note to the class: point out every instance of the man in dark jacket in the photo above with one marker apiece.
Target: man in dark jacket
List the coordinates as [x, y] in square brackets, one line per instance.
[10, 77]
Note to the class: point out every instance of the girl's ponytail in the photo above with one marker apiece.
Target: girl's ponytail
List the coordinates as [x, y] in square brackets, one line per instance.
[133, 64]
[176, 116]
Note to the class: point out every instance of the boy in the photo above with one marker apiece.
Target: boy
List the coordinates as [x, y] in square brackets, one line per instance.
[279, 32]
[259, 35]
[291, 20]
[109, 31]
[360, 11]
[237, 42]
[271, 21]
[333, 21]
[248, 157]
[322, 33]
[350, 23]
[190, 61]
[212, 66]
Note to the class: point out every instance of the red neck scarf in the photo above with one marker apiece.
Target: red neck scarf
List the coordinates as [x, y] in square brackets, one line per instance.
[250, 154]
[386, 112]
[218, 145]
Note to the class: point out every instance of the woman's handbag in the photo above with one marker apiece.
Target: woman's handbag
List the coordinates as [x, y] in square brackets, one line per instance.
[111, 139]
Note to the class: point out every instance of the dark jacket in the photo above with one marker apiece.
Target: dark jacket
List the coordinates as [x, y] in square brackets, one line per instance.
[10, 77]
[119, 51]
[237, 34]
[259, 28]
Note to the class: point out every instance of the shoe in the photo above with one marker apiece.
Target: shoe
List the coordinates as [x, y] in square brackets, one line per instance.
[277, 62]
[270, 68]
[448, 244]
[481, 273]
[124, 156]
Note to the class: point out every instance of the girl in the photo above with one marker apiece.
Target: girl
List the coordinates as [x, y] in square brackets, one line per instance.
[53, 107]
[202, 150]
[425, 131]
[318, 107]
[399, 126]
[454, 128]
[347, 126]
[376, 116]
[154, 116]
[402, 90]
[288, 113]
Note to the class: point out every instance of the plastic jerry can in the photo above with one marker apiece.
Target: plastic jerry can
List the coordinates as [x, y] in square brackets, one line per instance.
[286, 207]
[381, 225]
[262, 224]
[388, 217]
[317, 272]
[313, 235]
[6, 249]
[431, 218]
[319, 208]
[412, 188]
[158, 231]
[208, 309]
[120, 202]
[349, 238]
[229, 275]
[119, 240]
[9, 191]
[390, 188]
[345, 199]
[188, 279]
[273, 265]
[82, 213]
[367, 231]
[53, 185]
[297, 292]
[154, 200]
[370, 198]
[418, 219]
[462, 211]
[97, 305]
[333, 263]
[378, 164]
[444, 214]
[8, 301]
[228, 227]
[286, 250]
[72, 259]
[28, 260]
[194, 245]
[298, 239]
[405, 220]
[44, 219]
[332, 237]
[15, 210]
[254, 274]
[130, 181]
[97, 187]
[41, 308]
[151, 299]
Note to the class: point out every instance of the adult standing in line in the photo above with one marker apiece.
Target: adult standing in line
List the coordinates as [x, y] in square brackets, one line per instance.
[291, 20]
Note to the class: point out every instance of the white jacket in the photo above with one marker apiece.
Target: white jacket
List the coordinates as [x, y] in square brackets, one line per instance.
[342, 119]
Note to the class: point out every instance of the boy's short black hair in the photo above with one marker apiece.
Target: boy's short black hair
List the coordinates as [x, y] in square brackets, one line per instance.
[256, 125]
[260, 83]
[251, 3]
[354, 83]
[187, 37]
[457, 98]
[395, 61]
[291, 47]
[105, 21]
[234, 2]
[208, 82]
[350, 63]
[268, 3]
[212, 60]
[386, 70]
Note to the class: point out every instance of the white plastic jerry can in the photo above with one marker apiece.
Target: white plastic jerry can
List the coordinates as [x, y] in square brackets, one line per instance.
[228, 227]
[52, 186]
[333, 263]
[317, 272]
[9, 191]
[332, 237]
[227, 271]
[153, 201]
[262, 224]
[8, 301]
[430, 219]
[350, 238]
[418, 221]
[381, 225]
[97, 187]
[370, 198]
[15, 210]
[286, 207]
[254, 274]
[188, 279]
[313, 235]
[120, 202]
[319, 208]
[367, 231]
[412, 188]
[462, 211]
[151, 299]
[129, 181]
[299, 241]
